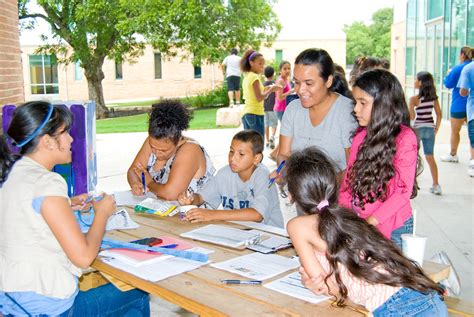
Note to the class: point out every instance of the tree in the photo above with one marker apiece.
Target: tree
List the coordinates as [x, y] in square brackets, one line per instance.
[89, 31]
[369, 40]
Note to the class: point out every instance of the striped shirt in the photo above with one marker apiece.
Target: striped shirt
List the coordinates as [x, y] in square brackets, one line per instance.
[358, 290]
[424, 114]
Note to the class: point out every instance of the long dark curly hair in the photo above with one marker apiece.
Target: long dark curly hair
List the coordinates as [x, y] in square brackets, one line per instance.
[168, 119]
[311, 177]
[373, 168]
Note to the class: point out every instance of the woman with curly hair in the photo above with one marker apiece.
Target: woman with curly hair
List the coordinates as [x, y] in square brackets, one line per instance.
[169, 162]
[343, 256]
[381, 175]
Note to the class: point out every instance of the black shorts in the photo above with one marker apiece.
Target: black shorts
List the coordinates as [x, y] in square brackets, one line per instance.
[233, 83]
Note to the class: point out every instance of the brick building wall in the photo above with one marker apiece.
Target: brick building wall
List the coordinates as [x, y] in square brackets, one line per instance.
[11, 74]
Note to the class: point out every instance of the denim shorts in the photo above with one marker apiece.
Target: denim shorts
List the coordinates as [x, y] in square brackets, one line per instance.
[280, 115]
[470, 131]
[396, 235]
[271, 119]
[427, 137]
[254, 122]
[458, 115]
[408, 302]
[233, 83]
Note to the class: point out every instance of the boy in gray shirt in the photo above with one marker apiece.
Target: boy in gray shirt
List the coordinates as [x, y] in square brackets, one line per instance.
[240, 188]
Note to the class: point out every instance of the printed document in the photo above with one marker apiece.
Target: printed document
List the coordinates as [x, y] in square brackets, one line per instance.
[258, 266]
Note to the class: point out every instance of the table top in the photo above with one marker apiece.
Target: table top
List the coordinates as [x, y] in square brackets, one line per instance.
[201, 292]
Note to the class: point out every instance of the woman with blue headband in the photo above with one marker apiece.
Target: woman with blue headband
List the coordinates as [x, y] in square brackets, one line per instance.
[42, 249]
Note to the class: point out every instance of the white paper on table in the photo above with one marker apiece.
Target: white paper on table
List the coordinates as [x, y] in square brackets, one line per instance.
[291, 286]
[156, 271]
[263, 227]
[257, 266]
[222, 235]
[120, 220]
[126, 198]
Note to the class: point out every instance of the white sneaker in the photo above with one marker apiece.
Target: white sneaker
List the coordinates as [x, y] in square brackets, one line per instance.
[470, 170]
[436, 189]
[450, 158]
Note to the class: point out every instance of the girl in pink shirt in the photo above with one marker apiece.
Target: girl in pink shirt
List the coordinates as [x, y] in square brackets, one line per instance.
[343, 256]
[383, 160]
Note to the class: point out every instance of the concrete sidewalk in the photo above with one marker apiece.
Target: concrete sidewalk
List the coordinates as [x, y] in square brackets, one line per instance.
[446, 220]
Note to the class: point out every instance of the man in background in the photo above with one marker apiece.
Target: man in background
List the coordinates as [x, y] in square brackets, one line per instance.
[231, 64]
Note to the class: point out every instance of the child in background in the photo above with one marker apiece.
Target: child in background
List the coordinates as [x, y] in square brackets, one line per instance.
[271, 120]
[421, 110]
[381, 174]
[252, 65]
[343, 256]
[241, 188]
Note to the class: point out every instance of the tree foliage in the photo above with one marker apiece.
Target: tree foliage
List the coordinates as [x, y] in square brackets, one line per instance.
[91, 30]
[369, 40]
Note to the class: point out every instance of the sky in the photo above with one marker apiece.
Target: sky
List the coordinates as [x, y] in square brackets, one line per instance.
[309, 19]
[301, 19]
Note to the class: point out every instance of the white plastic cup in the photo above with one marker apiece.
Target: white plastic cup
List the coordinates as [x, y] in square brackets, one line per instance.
[413, 247]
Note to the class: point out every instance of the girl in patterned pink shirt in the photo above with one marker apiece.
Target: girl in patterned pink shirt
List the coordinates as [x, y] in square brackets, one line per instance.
[343, 256]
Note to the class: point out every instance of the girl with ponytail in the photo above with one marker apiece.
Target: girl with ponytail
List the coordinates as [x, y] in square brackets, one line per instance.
[343, 256]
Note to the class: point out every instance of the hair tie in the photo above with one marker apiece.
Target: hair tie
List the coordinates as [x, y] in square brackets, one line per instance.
[252, 55]
[322, 204]
[37, 130]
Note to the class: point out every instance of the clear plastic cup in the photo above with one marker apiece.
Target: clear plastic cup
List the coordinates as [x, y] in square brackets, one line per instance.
[413, 247]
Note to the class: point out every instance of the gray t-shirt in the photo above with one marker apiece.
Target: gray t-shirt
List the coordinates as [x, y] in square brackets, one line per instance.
[228, 191]
[332, 135]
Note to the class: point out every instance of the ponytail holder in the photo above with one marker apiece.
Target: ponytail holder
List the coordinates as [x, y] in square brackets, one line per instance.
[252, 55]
[322, 204]
[37, 130]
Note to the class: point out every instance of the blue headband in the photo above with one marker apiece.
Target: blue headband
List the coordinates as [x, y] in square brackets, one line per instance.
[252, 55]
[37, 130]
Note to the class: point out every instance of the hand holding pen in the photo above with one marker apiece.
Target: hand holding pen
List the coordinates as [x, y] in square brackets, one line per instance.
[278, 171]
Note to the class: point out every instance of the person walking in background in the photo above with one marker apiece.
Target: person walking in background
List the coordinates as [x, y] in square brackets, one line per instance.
[252, 65]
[232, 74]
[458, 103]
[381, 176]
[284, 89]
[421, 111]
[271, 120]
[466, 85]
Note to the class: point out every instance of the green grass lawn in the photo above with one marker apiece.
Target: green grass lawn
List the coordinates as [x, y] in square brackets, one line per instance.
[202, 119]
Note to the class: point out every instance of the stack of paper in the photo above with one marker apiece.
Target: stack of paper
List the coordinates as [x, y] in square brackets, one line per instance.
[126, 198]
[257, 266]
[291, 285]
[222, 235]
[270, 243]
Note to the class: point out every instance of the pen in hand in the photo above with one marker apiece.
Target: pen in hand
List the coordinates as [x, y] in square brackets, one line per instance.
[280, 167]
[241, 282]
[143, 183]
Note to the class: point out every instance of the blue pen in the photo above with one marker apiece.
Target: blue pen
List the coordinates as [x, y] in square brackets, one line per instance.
[280, 167]
[168, 246]
[143, 183]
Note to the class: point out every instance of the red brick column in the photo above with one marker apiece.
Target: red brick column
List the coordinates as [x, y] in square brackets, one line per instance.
[11, 74]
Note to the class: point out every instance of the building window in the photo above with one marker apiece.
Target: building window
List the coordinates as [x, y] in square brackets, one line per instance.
[43, 74]
[197, 72]
[278, 56]
[118, 70]
[435, 9]
[77, 71]
[158, 66]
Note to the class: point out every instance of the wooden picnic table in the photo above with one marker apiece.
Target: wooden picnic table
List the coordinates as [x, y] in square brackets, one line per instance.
[201, 292]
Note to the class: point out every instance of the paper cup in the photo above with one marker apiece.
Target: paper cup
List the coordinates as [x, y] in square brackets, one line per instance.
[413, 247]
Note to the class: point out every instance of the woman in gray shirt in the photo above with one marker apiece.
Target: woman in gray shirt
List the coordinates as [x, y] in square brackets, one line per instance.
[320, 117]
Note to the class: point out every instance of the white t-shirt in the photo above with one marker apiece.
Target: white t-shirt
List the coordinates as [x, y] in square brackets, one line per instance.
[228, 191]
[232, 65]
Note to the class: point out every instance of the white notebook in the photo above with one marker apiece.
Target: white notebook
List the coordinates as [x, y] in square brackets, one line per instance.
[222, 235]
